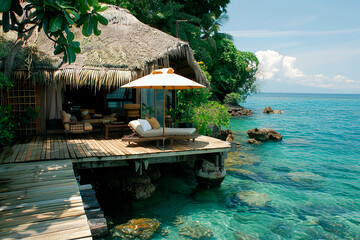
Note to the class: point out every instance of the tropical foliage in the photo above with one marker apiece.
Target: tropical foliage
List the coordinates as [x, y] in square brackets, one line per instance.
[210, 113]
[56, 18]
[194, 106]
[233, 99]
[6, 126]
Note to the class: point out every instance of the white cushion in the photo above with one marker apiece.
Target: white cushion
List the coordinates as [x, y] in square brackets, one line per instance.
[145, 124]
[135, 124]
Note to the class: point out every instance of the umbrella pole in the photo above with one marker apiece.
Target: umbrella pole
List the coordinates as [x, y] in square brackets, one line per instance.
[163, 117]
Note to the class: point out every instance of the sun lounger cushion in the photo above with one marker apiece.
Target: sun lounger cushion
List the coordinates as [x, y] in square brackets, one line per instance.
[135, 124]
[145, 124]
[153, 122]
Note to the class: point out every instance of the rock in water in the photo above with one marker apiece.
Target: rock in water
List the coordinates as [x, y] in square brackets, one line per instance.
[223, 134]
[142, 228]
[230, 138]
[239, 111]
[269, 110]
[264, 134]
[253, 198]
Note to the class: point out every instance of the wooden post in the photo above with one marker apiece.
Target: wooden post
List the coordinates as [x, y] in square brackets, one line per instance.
[163, 116]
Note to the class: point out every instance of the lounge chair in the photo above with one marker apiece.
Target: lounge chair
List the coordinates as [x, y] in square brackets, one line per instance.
[157, 134]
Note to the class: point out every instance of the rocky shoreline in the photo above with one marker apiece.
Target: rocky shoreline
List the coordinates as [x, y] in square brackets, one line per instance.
[239, 111]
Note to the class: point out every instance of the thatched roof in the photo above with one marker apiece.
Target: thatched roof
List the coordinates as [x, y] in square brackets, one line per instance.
[126, 50]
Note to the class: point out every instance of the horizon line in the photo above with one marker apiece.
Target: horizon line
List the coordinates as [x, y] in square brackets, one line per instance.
[289, 33]
[308, 93]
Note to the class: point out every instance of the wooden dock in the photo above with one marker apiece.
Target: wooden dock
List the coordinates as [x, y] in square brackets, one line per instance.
[87, 148]
[40, 200]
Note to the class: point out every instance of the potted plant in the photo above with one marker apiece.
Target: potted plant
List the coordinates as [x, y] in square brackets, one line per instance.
[147, 110]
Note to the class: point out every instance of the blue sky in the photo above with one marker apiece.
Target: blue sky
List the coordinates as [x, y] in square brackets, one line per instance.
[303, 46]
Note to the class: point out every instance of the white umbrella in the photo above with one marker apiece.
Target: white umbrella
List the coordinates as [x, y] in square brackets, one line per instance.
[164, 78]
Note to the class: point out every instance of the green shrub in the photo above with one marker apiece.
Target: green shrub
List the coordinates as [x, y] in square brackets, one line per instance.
[6, 125]
[188, 100]
[233, 99]
[208, 113]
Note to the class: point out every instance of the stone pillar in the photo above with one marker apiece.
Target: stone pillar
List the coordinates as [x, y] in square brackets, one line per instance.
[210, 170]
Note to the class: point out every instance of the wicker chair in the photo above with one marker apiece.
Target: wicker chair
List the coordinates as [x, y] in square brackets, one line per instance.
[132, 111]
[75, 127]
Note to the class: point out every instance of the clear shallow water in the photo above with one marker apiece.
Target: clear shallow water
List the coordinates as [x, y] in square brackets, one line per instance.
[310, 181]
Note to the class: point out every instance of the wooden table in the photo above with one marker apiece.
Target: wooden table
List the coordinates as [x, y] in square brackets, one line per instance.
[111, 125]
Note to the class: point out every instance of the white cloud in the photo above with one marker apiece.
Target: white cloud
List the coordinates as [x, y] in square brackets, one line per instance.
[276, 67]
[273, 65]
[289, 69]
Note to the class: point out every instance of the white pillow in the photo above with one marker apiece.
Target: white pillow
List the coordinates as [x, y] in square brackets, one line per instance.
[145, 124]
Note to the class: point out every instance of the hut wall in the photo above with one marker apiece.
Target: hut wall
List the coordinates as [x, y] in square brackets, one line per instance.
[24, 93]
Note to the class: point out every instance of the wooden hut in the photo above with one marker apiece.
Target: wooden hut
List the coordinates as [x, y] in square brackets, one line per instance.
[126, 50]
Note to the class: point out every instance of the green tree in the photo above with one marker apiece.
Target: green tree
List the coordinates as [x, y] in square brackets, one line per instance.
[56, 18]
[232, 71]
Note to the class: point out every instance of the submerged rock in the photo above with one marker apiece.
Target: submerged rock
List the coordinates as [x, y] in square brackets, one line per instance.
[241, 171]
[269, 110]
[307, 177]
[142, 228]
[240, 158]
[264, 134]
[195, 230]
[238, 235]
[253, 199]
[334, 226]
[253, 141]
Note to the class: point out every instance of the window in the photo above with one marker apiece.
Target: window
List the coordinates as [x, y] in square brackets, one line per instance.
[118, 98]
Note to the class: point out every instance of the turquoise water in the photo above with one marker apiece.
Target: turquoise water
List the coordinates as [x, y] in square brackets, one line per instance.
[307, 186]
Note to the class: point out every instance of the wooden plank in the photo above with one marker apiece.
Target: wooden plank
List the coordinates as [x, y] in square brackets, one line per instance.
[48, 148]
[100, 151]
[16, 150]
[62, 228]
[114, 147]
[52, 148]
[85, 146]
[30, 149]
[39, 217]
[35, 149]
[65, 149]
[80, 150]
[70, 148]
[47, 205]
[43, 151]
[74, 146]
[21, 156]
[101, 142]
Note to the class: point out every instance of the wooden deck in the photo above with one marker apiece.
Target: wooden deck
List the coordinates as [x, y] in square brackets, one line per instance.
[87, 148]
[41, 201]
